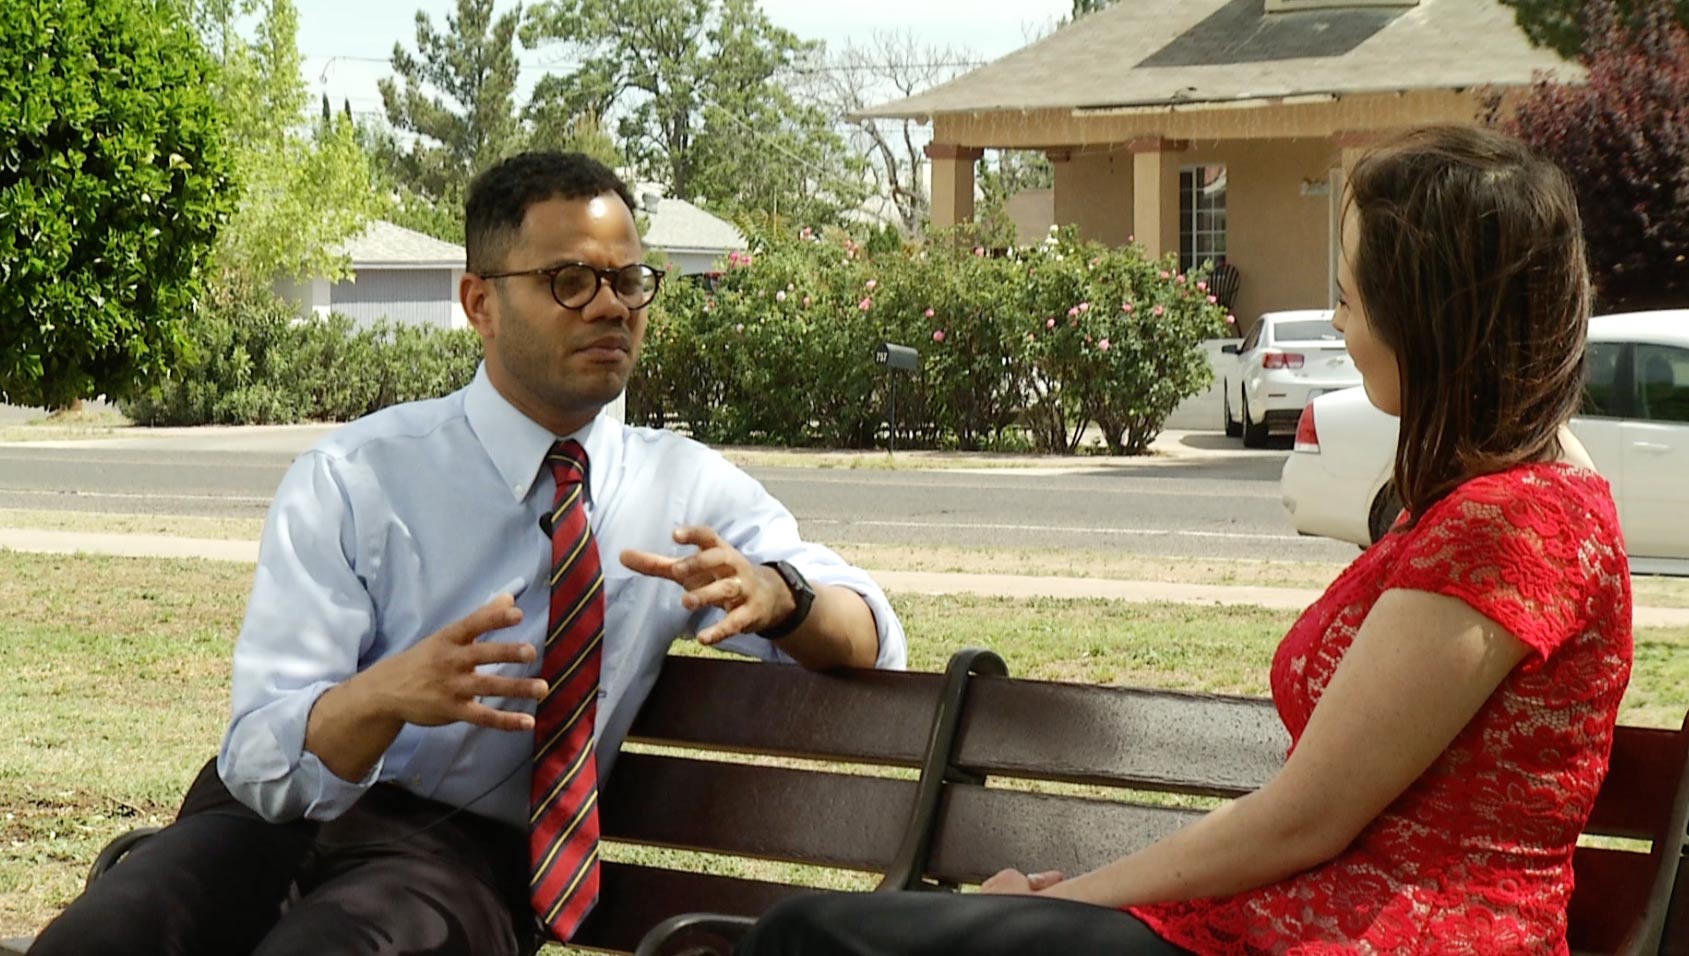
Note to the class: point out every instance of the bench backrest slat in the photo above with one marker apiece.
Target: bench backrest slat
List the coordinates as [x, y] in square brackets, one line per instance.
[771, 813]
[1636, 799]
[876, 717]
[983, 830]
[1610, 888]
[1161, 740]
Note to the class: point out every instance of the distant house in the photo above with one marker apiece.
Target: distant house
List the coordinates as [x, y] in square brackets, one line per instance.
[398, 275]
[693, 240]
[1221, 130]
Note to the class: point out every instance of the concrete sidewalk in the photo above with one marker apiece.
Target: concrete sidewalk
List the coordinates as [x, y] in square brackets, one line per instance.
[906, 582]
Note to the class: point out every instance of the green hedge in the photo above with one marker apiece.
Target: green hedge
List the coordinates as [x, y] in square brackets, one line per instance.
[254, 361]
[1019, 349]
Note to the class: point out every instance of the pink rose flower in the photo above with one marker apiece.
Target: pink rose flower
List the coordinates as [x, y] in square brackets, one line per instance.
[1102, 345]
[1127, 308]
[1202, 286]
[1213, 300]
[1157, 311]
[1083, 307]
[1050, 324]
[1180, 279]
[865, 304]
[1166, 275]
[806, 301]
[873, 284]
[929, 313]
[1073, 312]
[938, 336]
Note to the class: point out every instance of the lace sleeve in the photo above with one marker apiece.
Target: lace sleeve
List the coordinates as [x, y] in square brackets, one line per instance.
[1522, 548]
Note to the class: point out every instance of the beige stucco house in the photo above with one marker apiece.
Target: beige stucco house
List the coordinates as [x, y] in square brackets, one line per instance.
[1223, 128]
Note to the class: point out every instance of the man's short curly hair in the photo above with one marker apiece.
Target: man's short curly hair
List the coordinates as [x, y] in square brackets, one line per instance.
[500, 196]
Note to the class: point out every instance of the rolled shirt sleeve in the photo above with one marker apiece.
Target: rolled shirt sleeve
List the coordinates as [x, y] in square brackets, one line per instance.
[753, 521]
[308, 623]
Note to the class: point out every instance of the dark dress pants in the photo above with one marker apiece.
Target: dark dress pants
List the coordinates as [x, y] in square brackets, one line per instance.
[396, 874]
[948, 924]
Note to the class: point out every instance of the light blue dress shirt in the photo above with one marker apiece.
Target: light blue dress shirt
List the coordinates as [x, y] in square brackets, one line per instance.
[401, 523]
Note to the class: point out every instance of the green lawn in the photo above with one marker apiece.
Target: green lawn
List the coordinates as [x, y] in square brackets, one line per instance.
[113, 687]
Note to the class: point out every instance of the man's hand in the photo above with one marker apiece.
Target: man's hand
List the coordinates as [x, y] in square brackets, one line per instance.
[1016, 883]
[436, 682]
[754, 597]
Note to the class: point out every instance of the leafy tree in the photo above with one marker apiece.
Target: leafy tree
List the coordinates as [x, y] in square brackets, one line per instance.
[1623, 137]
[1562, 25]
[112, 185]
[1082, 7]
[697, 89]
[299, 195]
[457, 94]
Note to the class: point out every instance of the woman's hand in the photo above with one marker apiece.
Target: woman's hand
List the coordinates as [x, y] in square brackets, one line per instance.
[1016, 883]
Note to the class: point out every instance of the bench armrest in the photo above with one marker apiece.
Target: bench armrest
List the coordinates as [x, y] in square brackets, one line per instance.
[695, 934]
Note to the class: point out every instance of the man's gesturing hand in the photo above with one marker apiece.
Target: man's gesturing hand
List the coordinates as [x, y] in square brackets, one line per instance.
[754, 597]
[436, 681]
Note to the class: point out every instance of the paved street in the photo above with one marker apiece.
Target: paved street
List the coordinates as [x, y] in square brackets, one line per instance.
[1208, 507]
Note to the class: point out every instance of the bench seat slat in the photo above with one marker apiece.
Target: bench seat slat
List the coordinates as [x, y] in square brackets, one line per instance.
[1162, 740]
[878, 717]
[981, 831]
[772, 813]
[632, 899]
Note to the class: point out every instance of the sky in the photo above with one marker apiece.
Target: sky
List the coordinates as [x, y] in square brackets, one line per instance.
[347, 43]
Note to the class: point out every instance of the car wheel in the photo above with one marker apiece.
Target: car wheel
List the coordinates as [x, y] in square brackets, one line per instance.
[1386, 508]
[1233, 428]
[1254, 436]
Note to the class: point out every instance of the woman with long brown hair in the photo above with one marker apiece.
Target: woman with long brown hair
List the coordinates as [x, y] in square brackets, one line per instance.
[1451, 697]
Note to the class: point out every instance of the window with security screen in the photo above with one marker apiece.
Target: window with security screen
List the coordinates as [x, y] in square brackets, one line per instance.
[1202, 215]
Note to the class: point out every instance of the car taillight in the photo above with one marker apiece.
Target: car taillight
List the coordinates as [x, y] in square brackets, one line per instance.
[1282, 359]
[1307, 436]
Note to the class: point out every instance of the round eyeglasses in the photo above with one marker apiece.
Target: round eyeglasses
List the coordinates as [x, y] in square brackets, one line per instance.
[574, 284]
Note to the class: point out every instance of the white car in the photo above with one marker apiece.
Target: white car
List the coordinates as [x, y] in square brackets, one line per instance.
[1635, 426]
[1286, 360]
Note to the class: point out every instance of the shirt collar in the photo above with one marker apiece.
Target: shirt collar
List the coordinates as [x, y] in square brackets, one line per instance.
[517, 445]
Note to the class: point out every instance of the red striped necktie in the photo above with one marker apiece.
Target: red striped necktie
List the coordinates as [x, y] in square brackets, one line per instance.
[563, 797]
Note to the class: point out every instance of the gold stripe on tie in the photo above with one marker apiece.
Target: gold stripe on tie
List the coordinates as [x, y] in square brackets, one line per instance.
[562, 837]
[562, 782]
[568, 563]
[570, 672]
[567, 726]
[557, 513]
[568, 892]
[563, 624]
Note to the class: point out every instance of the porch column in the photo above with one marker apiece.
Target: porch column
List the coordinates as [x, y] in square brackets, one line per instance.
[1155, 193]
[952, 183]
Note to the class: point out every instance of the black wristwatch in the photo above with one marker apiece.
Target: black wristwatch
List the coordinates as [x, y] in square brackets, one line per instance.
[802, 593]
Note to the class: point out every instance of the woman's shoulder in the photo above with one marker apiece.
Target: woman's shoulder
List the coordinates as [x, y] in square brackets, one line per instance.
[1549, 497]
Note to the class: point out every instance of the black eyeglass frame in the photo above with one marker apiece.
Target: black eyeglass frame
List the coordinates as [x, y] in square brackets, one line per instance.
[601, 275]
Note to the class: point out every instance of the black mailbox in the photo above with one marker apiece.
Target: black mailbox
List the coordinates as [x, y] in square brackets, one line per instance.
[899, 358]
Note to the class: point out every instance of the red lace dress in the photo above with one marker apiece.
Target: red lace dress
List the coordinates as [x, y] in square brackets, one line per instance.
[1476, 856]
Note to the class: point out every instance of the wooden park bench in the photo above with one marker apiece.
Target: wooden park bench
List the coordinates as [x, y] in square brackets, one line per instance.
[815, 790]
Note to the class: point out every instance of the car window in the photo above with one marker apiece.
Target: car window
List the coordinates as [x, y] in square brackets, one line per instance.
[1602, 397]
[1254, 337]
[1662, 380]
[1308, 330]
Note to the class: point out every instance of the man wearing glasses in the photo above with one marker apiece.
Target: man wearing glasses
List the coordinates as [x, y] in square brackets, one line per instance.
[459, 607]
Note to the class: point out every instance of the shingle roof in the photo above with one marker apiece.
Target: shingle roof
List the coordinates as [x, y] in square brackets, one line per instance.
[382, 243]
[678, 226]
[1156, 52]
